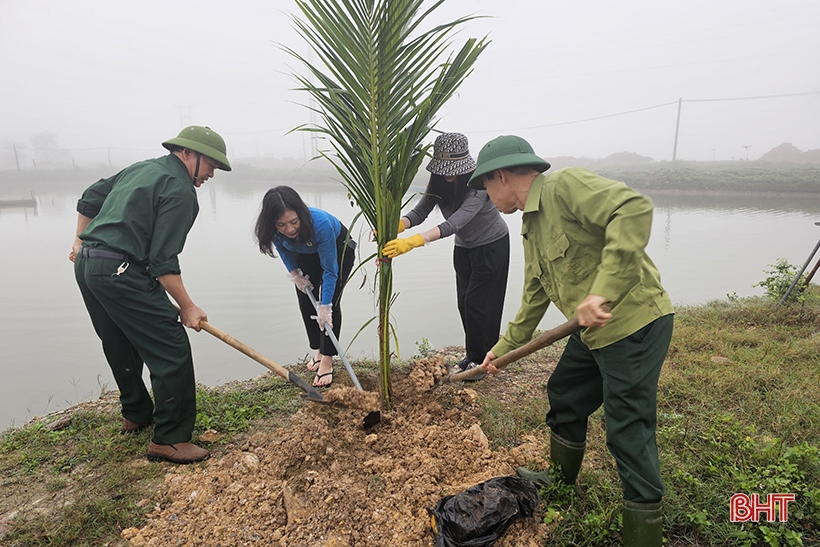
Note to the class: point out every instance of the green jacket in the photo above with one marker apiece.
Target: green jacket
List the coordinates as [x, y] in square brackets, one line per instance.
[585, 234]
[144, 211]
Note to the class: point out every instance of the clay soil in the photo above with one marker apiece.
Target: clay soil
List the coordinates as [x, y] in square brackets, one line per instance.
[326, 481]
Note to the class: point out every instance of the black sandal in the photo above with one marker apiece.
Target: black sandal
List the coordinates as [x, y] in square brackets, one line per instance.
[313, 366]
[320, 376]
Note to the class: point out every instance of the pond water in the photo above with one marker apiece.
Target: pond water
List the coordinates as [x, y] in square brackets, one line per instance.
[705, 247]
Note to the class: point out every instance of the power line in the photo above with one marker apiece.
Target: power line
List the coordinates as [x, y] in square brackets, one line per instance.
[751, 98]
[583, 120]
[579, 121]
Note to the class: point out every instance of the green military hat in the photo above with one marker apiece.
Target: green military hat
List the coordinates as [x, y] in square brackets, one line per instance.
[203, 140]
[505, 151]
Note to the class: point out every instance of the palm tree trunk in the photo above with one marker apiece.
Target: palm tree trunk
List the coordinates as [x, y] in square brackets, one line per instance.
[385, 294]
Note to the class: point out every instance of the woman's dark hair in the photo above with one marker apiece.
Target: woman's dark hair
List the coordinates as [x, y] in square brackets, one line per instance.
[275, 203]
[447, 195]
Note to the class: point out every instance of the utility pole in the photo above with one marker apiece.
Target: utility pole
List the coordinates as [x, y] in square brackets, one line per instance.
[747, 146]
[677, 128]
[16, 159]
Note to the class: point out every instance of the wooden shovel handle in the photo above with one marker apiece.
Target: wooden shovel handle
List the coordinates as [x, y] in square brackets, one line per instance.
[544, 339]
[311, 393]
[247, 350]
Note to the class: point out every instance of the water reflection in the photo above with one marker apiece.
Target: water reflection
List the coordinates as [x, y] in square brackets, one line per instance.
[705, 247]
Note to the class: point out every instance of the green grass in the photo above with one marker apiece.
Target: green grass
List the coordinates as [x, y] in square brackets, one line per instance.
[738, 412]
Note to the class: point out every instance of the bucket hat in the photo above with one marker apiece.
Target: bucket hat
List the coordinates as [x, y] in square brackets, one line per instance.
[203, 140]
[451, 156]
[505, 151]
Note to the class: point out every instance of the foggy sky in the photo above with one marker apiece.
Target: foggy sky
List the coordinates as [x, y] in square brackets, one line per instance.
[110, 77]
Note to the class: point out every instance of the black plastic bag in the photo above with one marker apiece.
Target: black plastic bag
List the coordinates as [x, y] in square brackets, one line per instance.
[481, 514]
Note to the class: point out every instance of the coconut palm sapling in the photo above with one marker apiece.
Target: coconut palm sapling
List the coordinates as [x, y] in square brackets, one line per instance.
[380, 84]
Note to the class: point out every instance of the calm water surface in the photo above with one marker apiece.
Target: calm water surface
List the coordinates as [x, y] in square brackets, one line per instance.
[50, 358]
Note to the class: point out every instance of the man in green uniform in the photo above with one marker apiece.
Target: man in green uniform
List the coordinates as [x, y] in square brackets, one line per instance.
[130, 229]
[584, 250]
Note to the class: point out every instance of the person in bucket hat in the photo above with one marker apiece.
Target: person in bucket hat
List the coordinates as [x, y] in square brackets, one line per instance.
[481, 254]
[130, 230]
[584, 250]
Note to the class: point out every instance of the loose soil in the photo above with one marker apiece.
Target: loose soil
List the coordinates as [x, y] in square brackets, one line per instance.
[324, 480]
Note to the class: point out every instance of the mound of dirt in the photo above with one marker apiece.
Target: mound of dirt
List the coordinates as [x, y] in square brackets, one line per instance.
[326, 481]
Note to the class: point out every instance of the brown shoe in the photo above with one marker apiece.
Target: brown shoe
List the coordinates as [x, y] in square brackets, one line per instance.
[176, 453]
[132, 427]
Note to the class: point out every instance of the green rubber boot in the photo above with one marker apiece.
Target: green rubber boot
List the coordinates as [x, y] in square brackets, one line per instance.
[539, 478]
[643, 524]
[567, 455]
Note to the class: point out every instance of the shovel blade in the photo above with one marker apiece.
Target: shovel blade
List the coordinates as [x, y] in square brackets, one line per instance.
[310, 392]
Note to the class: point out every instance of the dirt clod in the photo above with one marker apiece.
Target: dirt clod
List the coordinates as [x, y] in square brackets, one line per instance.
[353, 398]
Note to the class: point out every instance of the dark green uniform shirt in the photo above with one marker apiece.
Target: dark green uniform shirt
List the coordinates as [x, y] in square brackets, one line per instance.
[585, 234]
[144, 211]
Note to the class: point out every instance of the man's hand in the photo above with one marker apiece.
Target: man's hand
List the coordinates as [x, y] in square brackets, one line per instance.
[191, 316]
[487, 363]
[593, 311]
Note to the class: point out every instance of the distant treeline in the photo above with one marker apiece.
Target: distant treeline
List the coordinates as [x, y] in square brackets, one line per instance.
[742, 177]
[699, 177]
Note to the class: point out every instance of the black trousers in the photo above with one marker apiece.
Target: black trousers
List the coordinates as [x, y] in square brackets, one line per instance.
[310, 266]
[481, 284]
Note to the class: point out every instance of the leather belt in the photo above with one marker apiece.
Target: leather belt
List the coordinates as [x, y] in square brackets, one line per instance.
[102, 253]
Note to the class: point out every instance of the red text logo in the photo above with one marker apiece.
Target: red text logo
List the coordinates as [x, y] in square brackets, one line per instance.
[743, 508]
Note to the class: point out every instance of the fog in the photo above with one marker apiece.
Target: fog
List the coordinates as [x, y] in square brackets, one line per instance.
[108, 81]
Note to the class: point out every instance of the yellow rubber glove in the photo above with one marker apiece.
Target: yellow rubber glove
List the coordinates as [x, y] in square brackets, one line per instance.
[401, 245]
[400, 230]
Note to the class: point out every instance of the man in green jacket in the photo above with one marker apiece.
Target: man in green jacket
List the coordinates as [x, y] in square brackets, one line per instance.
[584, 250]
[130, 229]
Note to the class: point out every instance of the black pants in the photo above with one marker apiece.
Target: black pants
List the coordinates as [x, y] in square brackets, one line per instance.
[310, 266]
[481, 284]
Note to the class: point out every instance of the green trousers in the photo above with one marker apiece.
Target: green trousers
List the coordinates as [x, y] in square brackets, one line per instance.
[137, 324]
[624, 378]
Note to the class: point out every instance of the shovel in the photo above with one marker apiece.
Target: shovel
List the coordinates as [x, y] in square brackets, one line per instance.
[310, 392]
[336, 344]
[373, 417]
[545, 339]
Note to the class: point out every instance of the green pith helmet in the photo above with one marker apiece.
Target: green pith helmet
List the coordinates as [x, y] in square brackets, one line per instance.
[203, 140]
[505, 151]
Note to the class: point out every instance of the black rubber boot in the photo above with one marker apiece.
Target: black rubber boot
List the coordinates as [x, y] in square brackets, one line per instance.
[643, 524]
[566, 454]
